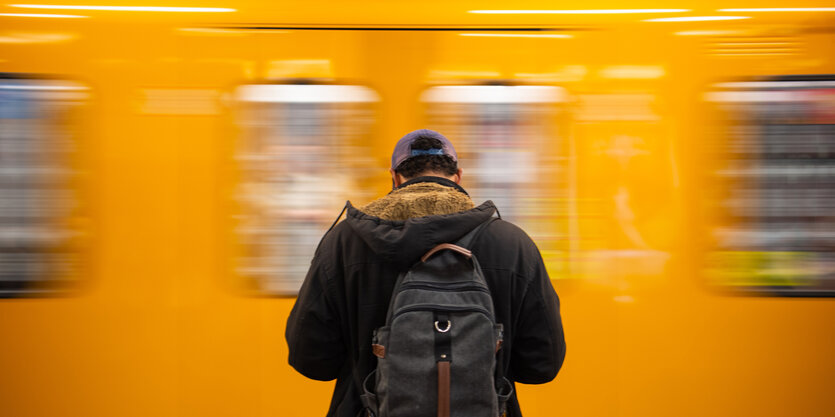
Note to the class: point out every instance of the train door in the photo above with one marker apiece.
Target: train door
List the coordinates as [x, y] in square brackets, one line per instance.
[301, 153]
[627, 175]
[515, 152]
[43, 221]
[773, 230]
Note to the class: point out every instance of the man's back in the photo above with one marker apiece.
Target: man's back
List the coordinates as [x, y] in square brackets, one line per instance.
[347, 293]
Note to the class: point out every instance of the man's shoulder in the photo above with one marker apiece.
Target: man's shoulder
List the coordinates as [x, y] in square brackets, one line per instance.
[337, 235]
[504, 245]
[501, 231]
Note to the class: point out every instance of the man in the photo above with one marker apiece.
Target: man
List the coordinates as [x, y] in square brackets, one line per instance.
[346, 293]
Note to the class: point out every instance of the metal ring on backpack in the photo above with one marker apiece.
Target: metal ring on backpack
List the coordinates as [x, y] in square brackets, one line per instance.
[448, 325]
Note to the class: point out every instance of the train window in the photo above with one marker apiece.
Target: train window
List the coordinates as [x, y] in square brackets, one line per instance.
[775, 198]
[41, 216]
[516, 154]
[302, 150]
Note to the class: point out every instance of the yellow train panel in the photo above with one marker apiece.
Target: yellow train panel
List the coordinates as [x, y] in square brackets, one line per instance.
[615, 174]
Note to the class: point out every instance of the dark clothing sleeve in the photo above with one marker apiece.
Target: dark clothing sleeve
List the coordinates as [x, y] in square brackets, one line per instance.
[313, 332]
[539, 341]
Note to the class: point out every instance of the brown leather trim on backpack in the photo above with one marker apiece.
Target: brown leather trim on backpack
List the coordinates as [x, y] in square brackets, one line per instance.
[498, 345]
[378, 350]
[443, 389]
[450, 246]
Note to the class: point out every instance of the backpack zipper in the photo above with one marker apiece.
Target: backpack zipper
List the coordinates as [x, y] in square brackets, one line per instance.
[444, 287]
[436, 307]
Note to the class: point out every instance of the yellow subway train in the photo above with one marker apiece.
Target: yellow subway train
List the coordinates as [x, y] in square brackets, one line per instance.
[166, 171]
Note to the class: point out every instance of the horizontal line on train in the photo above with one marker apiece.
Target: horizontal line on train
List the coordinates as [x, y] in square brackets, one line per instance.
[404, 28]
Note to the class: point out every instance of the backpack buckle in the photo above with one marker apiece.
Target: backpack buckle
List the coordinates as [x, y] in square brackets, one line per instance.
[445, 329]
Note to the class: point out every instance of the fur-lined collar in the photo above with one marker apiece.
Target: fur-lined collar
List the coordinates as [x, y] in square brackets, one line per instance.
[419, 200]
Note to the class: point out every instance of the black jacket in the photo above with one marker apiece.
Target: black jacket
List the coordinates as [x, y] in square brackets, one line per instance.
[346, 294]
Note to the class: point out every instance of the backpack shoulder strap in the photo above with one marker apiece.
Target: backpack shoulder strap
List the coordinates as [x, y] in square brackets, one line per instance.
[472, 236]
[344, 208]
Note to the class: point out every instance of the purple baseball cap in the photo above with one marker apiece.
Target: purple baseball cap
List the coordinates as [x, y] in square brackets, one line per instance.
[403, 149]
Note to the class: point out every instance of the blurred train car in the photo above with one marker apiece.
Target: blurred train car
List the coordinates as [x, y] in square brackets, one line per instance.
[167, 171]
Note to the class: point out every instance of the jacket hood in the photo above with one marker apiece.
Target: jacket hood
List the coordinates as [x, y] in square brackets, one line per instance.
[433, 213]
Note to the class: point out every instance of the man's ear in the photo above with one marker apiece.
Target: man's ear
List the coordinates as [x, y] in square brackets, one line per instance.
[458, 176]
[396, 179]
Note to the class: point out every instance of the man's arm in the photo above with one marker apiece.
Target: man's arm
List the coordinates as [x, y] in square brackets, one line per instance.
[313, 329]
[539, 342]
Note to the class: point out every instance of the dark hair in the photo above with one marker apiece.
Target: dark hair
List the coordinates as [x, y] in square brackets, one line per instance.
[417, 165]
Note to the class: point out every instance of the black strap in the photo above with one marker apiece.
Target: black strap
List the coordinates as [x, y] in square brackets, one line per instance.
[347, 203]
[394, 289]
[443, 357]
[368, 397]
[504, 390]
[443, 338]
[472, 236]
[437, 180]
[339, 216]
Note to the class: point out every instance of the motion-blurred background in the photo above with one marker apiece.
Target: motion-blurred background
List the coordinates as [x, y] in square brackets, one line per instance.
[166, 171]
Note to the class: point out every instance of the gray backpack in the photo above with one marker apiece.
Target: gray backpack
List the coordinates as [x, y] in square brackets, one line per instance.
[437, 351]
